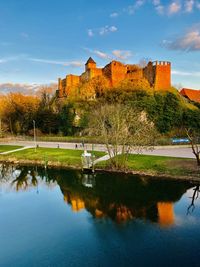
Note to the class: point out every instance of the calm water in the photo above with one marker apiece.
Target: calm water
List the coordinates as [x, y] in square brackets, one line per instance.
[65, 218]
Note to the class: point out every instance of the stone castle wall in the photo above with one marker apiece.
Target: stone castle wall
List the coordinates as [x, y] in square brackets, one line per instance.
[157, 73]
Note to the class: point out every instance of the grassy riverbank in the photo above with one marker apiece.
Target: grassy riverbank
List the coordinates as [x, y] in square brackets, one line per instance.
[141, 164]
[52, 156]
[5, 148]
[159, 166]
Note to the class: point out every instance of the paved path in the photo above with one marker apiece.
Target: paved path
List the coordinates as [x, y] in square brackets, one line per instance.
[15, 150]
[106, 157]
[171, 151]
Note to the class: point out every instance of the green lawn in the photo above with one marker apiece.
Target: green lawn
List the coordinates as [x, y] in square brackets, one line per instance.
[65, 157]
[153, 165]
[160, 165]
[5, 148]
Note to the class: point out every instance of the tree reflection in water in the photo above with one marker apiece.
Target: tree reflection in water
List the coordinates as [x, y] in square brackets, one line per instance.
[194, 197]
[23, 177]
[118, 197]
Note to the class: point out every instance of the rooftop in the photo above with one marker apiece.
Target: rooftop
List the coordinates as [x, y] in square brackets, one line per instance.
[90, 60]
[191, 94]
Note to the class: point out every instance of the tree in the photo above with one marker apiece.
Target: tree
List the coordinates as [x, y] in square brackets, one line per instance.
[19, 111]
[134, 84]
[99, 84]
[91, 89]
[46, 116]
[194, 137]
[191, 124]
[66, 119]
[168, 111]
[123, 130]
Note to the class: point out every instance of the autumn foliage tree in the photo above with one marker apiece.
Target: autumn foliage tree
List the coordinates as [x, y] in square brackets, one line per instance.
[18, 111]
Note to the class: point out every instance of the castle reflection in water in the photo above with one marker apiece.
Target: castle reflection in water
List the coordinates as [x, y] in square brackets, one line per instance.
[118, 197]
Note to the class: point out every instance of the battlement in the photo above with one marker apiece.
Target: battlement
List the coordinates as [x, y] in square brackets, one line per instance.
[161, 63]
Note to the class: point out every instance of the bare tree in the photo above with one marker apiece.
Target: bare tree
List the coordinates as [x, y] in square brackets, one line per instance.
[194, 138]
[123, 130]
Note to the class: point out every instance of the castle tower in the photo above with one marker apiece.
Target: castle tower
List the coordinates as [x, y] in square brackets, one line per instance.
[162, 75]
[90, 64]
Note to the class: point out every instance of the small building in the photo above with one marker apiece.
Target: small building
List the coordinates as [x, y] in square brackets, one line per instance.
[191, 94]
[87, 161]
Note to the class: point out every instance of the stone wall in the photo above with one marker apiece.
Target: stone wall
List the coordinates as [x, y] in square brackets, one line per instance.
[71, 82]
[118, 72]
[134, 72]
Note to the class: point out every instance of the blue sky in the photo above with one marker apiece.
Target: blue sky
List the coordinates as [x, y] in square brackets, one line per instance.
[42, 40]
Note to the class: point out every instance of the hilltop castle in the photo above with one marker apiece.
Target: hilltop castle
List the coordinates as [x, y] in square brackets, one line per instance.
[157, 73]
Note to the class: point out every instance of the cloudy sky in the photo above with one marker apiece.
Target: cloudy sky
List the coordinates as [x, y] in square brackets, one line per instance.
[42, 40]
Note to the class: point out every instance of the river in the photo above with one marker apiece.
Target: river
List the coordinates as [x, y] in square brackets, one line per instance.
[66, 218]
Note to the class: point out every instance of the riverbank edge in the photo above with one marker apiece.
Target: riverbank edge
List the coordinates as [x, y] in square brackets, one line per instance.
[56, 165]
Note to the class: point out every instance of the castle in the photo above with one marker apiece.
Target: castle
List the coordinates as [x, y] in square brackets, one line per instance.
[157, 73]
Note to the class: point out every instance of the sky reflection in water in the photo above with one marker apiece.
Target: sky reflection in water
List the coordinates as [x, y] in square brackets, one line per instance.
[66, 218]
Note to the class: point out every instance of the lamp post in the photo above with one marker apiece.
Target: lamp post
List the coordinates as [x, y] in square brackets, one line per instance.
[34, 132]
[0, 129]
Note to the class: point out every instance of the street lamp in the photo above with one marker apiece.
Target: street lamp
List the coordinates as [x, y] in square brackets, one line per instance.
[0, 129]
[34, 132]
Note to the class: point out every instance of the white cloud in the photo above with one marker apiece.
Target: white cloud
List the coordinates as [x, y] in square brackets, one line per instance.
[55, 62]
[132, 8]
[113, 29]
[102, 31]
[107, 29]
[28, 89]
[114, 15]
[7, 59]
[190, 41]
[98, 53]
[174, 7]
[186, 73]
[117, 54]
[189, 5]
[156, 2]
[2, 60]
[101, 54]
[165, 7]
[122, 54]
[90, 32]
[159, 9]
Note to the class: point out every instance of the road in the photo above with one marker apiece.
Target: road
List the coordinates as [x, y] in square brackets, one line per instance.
[172, 151]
